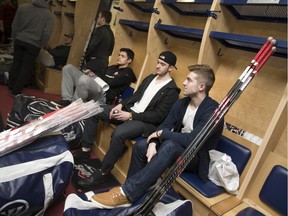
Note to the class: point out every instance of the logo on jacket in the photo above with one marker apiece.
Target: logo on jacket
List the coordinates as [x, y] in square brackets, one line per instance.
[16, 207]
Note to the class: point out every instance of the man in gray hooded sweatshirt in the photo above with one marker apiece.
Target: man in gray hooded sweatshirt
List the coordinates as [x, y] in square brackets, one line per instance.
[31, 29]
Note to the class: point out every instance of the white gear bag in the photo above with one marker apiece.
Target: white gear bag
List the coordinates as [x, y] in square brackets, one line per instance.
[223, 172]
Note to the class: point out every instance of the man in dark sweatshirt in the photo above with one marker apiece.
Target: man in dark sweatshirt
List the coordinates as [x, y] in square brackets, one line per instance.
[84, 84]
[31, 30]
[101, 44]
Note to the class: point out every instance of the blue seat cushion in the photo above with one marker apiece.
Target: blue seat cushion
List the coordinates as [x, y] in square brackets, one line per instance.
[249, 211]
[127, 92]
[207, 189]
[274, 190]
[239, 155]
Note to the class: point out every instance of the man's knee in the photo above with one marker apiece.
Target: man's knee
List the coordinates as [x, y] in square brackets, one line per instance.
[171, 148]
[119, 133]
[140, 146]
[83, 80]
[67, 68]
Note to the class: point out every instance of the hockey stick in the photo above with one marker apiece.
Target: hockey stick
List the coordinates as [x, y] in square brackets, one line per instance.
[82, 59]
[183, 160]
[16, 138]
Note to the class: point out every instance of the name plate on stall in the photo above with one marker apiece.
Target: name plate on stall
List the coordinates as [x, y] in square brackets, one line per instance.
[263, 1]
[188, 1]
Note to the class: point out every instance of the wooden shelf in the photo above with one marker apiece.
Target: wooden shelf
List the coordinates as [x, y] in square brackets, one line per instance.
[190, 8]
[271, 11]
[68, 14]
[57, 13]
[181, 32]
[142, 5]
[248, 43]
[137, 25]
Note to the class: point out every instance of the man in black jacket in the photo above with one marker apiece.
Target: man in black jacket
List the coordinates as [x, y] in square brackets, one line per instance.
[151, 157]
[117, 77]
[139, 114]
[101, 44]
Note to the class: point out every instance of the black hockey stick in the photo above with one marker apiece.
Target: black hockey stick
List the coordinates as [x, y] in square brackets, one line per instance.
[82, 59]
[177, 168]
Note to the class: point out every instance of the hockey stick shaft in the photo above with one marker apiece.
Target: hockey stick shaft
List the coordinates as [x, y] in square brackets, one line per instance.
[87, 44]
[206, 131]
[269, 43]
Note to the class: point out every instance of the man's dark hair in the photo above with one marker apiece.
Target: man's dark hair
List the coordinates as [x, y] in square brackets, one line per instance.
[107, 15]
[130, 53]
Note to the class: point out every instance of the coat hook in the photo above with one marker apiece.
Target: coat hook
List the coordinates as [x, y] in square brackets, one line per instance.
[118, 8]
[166, 41]
[219, 52]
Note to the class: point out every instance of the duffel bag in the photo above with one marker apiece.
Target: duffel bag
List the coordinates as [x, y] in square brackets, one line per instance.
[33, 177]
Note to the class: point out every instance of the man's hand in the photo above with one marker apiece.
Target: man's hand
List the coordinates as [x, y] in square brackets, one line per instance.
[90, 73]
[115, 109]
[151, 151]
[156, 134]
[121, 115]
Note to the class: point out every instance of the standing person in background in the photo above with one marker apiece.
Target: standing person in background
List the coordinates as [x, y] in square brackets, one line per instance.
[31, 29]
[101, 44]
[7, 13]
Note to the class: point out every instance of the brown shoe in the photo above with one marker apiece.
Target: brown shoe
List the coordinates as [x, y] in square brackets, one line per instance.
[111, 199]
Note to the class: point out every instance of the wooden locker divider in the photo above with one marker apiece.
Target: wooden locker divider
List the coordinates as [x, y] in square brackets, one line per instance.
[57, 23]
[68, 13]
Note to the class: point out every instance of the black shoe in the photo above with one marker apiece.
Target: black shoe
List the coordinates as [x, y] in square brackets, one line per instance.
[81, 155]
[64, 103]
[15, 94]
[95, 179]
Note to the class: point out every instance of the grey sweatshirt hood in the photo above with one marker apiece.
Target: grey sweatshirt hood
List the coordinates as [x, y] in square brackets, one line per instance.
[41, 3]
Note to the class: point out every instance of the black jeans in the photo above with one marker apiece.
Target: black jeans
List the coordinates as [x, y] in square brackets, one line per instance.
[24, 58]
[125, 130]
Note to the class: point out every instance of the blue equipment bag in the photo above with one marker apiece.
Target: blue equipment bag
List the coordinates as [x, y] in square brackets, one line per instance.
[32, 177]
[170, 204]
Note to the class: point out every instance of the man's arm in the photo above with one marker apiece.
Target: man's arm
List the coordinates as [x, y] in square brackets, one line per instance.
[125, 77]
[184, 139]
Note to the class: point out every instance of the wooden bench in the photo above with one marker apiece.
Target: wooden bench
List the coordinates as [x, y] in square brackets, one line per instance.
[49, 79]
[187, 184]
[205, 195]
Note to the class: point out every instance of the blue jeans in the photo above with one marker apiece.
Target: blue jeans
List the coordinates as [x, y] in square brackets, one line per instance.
[142, 175]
